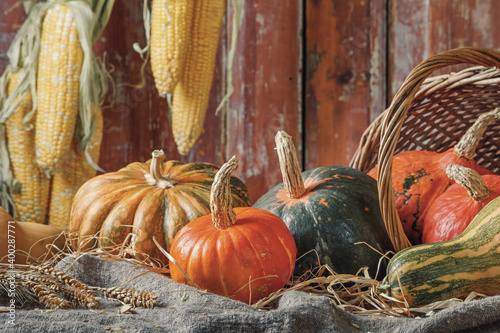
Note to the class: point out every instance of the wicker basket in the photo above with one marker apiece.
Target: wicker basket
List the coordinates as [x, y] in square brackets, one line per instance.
[432, 114]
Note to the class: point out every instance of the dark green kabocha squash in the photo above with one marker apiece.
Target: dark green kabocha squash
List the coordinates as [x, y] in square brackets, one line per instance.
[332, 212]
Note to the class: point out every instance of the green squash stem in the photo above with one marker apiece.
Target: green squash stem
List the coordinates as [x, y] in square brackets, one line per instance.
[289, 165]
[221, 202]
[467, 145]
[155, 178]
[470, 180]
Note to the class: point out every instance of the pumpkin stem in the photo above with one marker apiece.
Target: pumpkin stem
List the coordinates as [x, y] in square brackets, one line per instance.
[289, 165]
[155, 178]
[467, 145]
[470, 180]
[221, 202]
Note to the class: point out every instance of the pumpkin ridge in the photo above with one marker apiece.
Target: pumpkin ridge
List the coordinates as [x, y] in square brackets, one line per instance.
[168, 167]
[85, 197]
[109, 226]
[175, 208]
[281, 240]
[90, 202]
[148, 210]
[195, 204]
[98, 182]
[290, 257]
[246, 236]
[92, 218]
[170, 229]
[193, 249]
[312, 213]
[220, 263]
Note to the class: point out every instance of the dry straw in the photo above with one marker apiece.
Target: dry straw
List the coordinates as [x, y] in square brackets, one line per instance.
[359, 293]
[53, 288]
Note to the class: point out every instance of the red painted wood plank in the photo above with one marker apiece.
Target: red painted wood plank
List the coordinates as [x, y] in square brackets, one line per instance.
[345, 76]
[408, 31]
[464, 23]
[267, 96]
[133, 117]
[378, 58]
[420, 29]
[473, 23]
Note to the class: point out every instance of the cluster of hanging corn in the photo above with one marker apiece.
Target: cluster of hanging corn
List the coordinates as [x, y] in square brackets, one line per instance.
[183, 46]
[50, 119]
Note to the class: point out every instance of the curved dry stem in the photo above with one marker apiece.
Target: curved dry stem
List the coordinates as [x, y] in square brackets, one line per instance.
[221, 201]
[289, 165]
[154, 177]
[467, 145]
[469, 179]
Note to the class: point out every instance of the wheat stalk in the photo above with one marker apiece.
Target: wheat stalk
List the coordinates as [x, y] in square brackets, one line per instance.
[46, 296]
[84, 297]
[49, 281]
[63, 277]
[136, 298]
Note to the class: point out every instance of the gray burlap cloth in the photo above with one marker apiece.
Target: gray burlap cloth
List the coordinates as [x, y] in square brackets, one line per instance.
[184, 309]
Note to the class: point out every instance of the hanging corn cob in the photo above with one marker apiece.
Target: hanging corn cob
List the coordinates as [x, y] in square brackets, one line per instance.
[74, 171]
[170, 35]
[54, 46]
[191, 94]
[59, 67]
[32, 198]
[170, 29]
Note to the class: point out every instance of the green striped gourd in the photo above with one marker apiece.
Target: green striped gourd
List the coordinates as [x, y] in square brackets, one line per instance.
[426, 273]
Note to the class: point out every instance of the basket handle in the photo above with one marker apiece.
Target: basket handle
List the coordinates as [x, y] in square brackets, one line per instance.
[394, 118]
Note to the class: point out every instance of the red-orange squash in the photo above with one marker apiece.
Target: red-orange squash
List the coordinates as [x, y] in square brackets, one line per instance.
[453, 211]
[142, 200]
[419, 177]
[242, 253]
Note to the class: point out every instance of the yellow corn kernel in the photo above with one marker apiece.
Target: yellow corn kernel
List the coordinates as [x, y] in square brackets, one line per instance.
[169, 41]
[59, 67]
[191, 94]
[32, 199]
[74, 171]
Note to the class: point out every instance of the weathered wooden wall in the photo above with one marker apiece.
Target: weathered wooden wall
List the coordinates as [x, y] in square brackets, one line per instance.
[419, 29]
[321, 70]
[345, 76]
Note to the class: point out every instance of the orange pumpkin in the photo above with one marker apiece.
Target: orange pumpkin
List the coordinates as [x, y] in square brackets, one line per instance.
[419, 177]
[243, 253]
[155, 198]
